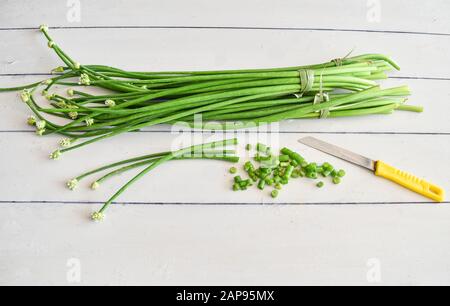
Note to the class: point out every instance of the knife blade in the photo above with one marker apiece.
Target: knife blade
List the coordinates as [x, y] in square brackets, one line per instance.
[380, 169]
[339, 152]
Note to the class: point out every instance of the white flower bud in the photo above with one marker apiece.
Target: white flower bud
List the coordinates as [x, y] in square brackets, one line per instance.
[25, 95]
[73, 115]
[50, 96]
[76, 65]
[43, 28]
[31, 121]
[110, 103]
[85, 80]
[40, 125]
[95, 185]
[40, 132]
[70, 92]
[65, 142]
[89, 121]
[58, 70]
[97, 217]
[61, 104]
[51, 44]
[55, 155]
[72, 184]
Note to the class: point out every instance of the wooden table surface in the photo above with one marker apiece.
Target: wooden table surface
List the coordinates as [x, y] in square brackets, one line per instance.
[182, 225]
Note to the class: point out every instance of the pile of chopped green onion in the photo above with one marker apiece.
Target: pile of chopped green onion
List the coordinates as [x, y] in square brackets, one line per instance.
[277, 170]
[234, 99]
[212, 151]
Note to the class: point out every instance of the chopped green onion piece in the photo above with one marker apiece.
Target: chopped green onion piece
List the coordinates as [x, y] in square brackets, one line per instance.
[261, 148]
[265, 158]
[274, 194]
[295, 174]
[289, 171]
[233, 170]
[320, 184]
[337, 180]
[269, 181]
[262, 184]
[253, 176]
[284, 158]
[326, 173]
[249, 166]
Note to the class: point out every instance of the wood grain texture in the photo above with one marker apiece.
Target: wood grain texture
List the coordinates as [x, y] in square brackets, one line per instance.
[181, 225]
[225, 245]
[399, 15]
[422, 56]
[210, 182]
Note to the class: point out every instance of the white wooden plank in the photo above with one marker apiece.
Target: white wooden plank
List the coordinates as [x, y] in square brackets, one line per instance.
[33, 177]
[219, 244]
[193, 245]
[397, 15]
[194, 49]
[432, 94]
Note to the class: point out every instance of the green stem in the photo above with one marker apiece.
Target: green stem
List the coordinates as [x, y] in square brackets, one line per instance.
[163, 160]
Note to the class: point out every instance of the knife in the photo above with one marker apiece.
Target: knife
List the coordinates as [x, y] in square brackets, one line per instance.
[380, 169]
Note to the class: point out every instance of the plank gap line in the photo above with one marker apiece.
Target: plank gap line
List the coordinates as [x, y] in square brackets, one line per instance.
[224, 204]
[231, 28]
[392, 77]
[268, 132]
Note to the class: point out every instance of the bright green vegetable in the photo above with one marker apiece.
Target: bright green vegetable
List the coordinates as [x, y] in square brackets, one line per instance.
[274, 193]
[234, 98]
[289, 164]
[341, 173]
[284, 158]
[262, 184]
[262, 148]
[150, 162]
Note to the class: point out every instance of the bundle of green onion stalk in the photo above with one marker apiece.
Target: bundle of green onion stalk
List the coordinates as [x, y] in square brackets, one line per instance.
[234, 99]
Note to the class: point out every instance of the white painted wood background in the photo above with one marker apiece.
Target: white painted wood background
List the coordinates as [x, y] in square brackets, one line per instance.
[182, 227]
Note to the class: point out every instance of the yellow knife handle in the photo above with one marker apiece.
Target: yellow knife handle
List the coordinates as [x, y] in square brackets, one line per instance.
[410, 181]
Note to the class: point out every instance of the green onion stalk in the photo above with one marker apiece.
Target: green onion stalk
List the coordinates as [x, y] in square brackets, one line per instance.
[235, 99]
[209, 151]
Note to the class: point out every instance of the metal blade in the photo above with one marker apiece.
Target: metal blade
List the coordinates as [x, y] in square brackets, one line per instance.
[339, 152]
